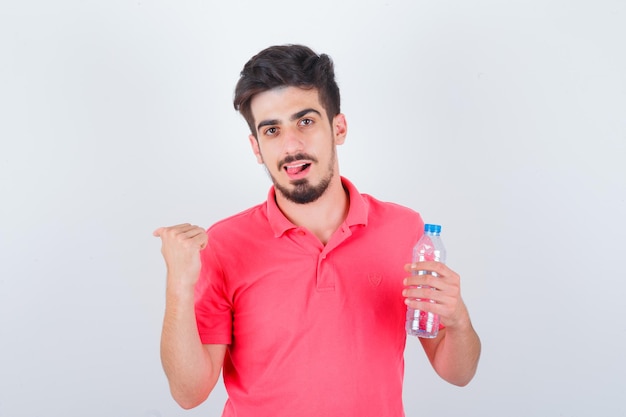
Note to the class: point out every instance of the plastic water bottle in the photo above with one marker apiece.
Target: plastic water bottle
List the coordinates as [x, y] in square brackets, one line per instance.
[428, 248]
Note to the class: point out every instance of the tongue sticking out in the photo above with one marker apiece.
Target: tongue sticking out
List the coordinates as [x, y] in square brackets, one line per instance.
[295, 169]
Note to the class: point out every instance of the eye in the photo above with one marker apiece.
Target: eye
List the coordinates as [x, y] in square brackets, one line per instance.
[272, 131]
[306, 122]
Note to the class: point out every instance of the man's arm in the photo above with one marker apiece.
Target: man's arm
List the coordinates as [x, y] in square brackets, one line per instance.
[192, 368]
[455, 352]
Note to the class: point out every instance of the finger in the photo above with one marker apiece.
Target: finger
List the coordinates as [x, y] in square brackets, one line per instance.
[192, 232]
[421, 293]
[424, 279]
[179, 228]
[429, 266]
[423, 304]
[195, 236]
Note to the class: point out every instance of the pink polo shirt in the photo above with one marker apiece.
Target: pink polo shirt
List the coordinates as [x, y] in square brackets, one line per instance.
[312, 330]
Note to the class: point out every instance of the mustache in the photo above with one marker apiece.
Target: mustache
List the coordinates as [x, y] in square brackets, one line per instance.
[296, 157]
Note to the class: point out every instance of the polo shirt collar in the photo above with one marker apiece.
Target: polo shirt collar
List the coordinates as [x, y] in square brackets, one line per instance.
[357, 213]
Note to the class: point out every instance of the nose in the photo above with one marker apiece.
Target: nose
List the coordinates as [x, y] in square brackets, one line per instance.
[293, 141]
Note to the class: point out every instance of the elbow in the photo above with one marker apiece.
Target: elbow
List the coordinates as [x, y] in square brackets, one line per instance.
[191, 392]
[188, 399]
[460, 371]
[459, 377]
[187, 402]
[187, 405]
[461, 382]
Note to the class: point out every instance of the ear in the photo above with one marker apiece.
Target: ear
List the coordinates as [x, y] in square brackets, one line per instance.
[340, 129]
[254, 143]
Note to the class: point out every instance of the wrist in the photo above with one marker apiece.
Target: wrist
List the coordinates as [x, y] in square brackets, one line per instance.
[179, 289]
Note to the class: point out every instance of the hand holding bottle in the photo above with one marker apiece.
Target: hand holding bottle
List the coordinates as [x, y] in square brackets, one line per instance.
[433, 293]
[444, 290]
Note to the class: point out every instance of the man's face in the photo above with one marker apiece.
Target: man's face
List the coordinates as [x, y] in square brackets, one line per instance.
[296, 142]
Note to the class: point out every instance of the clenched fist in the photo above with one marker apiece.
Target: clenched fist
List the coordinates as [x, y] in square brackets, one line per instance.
[181, 246]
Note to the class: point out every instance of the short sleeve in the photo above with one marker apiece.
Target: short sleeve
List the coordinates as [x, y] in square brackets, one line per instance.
[213, 306]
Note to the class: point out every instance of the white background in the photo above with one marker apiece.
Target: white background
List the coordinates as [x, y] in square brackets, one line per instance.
[503, 121]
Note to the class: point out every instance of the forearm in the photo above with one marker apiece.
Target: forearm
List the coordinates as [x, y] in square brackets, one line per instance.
[187, 363]
[457, 354]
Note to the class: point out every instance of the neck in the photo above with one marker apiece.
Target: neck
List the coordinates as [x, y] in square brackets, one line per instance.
[321, 217]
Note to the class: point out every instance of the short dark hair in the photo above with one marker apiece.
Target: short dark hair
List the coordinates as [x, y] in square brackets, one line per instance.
[287, 66]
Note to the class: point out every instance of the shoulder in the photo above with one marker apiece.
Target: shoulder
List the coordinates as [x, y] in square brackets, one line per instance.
[365, 206]
[392, 219]
[378, 208]
[244, 220]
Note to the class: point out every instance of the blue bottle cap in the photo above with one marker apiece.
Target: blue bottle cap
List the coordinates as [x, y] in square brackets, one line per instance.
[432, 228]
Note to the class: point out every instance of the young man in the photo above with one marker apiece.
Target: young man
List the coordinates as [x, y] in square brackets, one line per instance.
[301, 300]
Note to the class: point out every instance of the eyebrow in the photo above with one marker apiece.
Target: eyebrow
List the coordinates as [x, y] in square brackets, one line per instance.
[293, 117]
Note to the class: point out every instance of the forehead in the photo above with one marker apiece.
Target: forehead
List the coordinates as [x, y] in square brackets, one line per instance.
[283, 102]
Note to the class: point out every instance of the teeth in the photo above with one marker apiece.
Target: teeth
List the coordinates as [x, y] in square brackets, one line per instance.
[294, 169]
[296, 166]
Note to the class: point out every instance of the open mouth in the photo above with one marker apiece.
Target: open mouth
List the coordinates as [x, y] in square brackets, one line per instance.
[297, 168]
